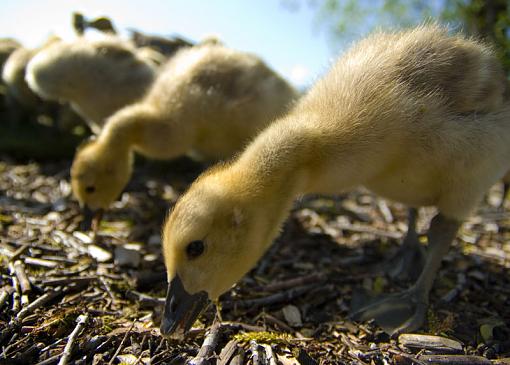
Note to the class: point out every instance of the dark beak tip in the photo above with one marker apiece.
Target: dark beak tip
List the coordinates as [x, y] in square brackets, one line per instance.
[181, 309]
[165, 328]
[88, 216]
[91, 218]
[169, 331]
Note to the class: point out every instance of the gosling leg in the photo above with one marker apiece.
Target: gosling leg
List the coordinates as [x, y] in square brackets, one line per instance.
[406, 311]
[408, 261]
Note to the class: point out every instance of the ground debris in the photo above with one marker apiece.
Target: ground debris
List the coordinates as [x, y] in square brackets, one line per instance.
[437, 344]
[70, 297]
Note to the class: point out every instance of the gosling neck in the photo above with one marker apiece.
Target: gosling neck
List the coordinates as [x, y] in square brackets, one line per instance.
[145, 129]
[269, 175]
[277, 162]
[123, 131]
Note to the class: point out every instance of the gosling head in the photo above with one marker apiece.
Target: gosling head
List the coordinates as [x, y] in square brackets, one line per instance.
[210, 240]
[99, 174]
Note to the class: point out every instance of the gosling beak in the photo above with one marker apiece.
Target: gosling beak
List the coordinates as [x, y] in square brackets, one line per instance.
[181, 309]
[88, 216]
[91, 218]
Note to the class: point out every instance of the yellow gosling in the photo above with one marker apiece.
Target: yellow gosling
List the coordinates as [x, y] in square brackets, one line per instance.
[7, 47]
[416, 116]
[13, 75]
[20, 97]
[207, 102]
[96, 77]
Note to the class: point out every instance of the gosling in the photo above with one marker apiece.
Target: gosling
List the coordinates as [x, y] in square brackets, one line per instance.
[7, 47]
[96, 77]
[13, 75]
[22, 101]
[102, 24]
[416, 116]
[207, 102]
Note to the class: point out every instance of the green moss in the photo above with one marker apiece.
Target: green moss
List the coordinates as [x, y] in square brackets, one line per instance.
[263, 337]
[6, 218]
[106, 323]
[115, 226]
[4, 260]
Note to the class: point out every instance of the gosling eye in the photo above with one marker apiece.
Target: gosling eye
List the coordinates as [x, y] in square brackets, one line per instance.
[90, 189]
[195, 249]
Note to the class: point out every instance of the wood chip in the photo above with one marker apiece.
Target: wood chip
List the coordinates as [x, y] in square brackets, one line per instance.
[34, 261]
[24, 282]
[432, 343]
[98, 253]
[126, 257]
[292, 315]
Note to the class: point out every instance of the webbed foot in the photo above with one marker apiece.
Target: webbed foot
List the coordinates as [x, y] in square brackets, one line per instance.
[395, 313]
[406, 311]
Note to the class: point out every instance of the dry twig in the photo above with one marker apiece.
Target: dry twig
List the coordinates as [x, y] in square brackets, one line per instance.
[121, 343]
[68, 349]
[208, 346]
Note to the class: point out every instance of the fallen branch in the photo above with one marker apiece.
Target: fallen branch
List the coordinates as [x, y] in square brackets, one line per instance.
[239, 358]
[400, 356]
[34, 261]
[208, 346]
[5, 293]
[270, 357]
[16, 296]
[256, 357]
[121, 344]
[68, 349]
[67, 281]
[24, 282]
[39, 302]
[18, 253]
[108, 289]
[385, 211]
[228, 352]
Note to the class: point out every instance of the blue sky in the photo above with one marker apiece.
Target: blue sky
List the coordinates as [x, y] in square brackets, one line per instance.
[289, 41]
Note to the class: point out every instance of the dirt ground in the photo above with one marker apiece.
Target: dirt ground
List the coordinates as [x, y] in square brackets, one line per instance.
[69, 298]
